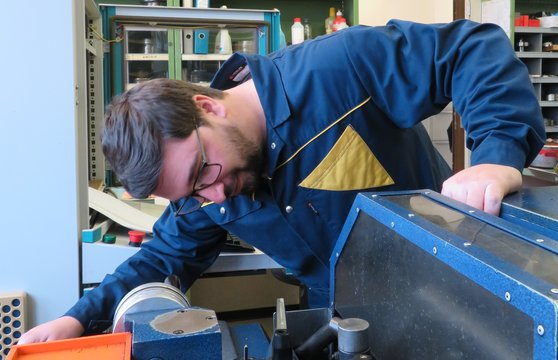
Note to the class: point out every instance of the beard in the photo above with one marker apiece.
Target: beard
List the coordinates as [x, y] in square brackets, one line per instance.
[253, 157]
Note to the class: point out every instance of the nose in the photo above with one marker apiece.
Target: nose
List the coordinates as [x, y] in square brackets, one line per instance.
[215, 192]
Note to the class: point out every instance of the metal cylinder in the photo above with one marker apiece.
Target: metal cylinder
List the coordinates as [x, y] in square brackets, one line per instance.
[353, 336]
[150, 296]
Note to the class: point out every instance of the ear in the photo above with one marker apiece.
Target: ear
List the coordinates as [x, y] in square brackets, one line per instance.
[210, 105]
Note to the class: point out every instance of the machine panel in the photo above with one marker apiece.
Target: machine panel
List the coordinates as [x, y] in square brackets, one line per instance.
[437, 279]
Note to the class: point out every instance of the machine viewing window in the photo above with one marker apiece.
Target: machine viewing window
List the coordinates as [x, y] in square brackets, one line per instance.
[529, 257]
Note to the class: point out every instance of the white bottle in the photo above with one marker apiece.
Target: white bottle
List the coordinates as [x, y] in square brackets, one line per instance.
[297, 32]
[223, 43]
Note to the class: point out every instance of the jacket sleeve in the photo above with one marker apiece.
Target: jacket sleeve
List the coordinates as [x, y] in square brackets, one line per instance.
[184, 246]
[412, 71]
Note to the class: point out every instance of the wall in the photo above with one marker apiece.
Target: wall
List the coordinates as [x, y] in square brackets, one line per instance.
[378, 12]
[39, 218]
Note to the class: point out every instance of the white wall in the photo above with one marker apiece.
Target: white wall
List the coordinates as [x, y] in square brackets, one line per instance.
[378, 12]
[39, 244]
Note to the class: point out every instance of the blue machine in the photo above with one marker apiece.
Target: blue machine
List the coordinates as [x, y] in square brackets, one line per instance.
[415, 275]
[438, 279]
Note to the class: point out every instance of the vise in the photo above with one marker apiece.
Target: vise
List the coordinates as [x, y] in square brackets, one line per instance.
[164, 326]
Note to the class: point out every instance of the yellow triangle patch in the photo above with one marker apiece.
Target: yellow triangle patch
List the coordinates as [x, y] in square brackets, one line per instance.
[350, 165]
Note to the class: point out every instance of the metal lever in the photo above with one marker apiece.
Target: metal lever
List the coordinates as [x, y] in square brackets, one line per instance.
[281, 342]
[313, 346]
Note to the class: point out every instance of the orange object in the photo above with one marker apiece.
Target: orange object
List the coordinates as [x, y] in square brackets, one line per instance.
[98, 347]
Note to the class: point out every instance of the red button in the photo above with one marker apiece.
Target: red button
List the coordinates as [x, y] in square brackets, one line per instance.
[136, 237]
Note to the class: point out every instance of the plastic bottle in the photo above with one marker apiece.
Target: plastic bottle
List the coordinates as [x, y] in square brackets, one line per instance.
[342, 25]
[329, 21]
[297, 32]
[339, 19]
[223, 43]
[307, 29]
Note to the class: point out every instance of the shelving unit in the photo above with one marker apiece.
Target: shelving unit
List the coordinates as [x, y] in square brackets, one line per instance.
[94, 69]
[543, 69]
[314, 10]
[179, 43]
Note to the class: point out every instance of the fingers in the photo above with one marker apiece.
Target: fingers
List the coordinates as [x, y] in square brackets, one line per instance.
[493, 197]
[483, 186]
[32, 336]
[473, 195]
[62, 328]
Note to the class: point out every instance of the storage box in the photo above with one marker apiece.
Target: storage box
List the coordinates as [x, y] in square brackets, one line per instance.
[549, 21]
[99, 347]
[201, 41]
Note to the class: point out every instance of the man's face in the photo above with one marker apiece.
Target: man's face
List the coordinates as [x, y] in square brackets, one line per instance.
[241, 164]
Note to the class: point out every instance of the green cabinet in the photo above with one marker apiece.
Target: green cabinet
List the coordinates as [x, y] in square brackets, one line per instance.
[316, 11]
[149, 42]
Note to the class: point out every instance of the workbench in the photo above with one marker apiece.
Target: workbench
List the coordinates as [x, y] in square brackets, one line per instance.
[100, 259]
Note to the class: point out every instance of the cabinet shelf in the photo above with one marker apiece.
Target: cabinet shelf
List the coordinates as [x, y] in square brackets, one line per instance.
[544, 79]
[147, 57]
[537, 55]
[535, 30]
[205, 57]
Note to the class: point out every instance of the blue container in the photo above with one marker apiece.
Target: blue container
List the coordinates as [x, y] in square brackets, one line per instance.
[201, 41]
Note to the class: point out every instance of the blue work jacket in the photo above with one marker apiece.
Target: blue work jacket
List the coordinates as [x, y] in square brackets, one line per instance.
[343, 115]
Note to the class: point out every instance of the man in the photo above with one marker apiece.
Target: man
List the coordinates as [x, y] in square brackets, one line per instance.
[278, 156]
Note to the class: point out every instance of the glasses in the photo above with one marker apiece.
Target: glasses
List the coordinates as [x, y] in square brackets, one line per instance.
[207, 176]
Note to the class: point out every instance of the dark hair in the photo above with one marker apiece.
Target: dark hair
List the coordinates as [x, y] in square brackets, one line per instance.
[140, 120]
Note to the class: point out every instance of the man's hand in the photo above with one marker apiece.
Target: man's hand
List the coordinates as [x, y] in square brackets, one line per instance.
[483, 186]
[62, 328]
